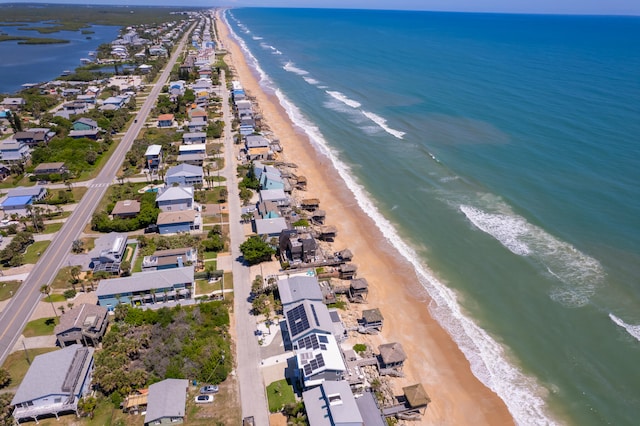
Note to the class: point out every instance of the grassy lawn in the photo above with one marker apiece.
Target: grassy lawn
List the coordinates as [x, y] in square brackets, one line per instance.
[51, 228]
[78, 192]
[88, 243]
[210, 255]
[137, 266]
[16, 363]
[61, 281]
[215, 219]
[8, 288]
[54, 298]
[279, 394]
[35, 250]
[205, 287]
[12, 182]
[40, 327]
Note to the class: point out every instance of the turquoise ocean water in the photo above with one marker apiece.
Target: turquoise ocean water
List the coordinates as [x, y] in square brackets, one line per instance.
[500, 154]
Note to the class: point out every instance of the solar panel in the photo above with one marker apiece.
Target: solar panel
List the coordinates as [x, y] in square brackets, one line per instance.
[297, 319]
[309, 342]
[323, 347]
[315, 316]
[307, 370]
[320, 360]
[323, 339]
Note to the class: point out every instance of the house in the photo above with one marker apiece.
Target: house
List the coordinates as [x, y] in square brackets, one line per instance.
[197, 125]
[295, 289]
[198, 114]
[178, 221]
[75, 107]
[84, 325]
[255, 141]
[165, 120]
[310, 204]
[54, 383]
[79, 134]
[268, 209]
[296, 246]
[271, 227]
[14, 104]
[157, 51]
[146, 288]
[12, 151]
[108, 252]
[276, 195]
[332, 404]
[271, 181]
[194, 138]
[153, 156]
[358, 290]
[114, 102]
[89, 99]
[35, 136]
[169, 259]
[318, 360]
[50, 168]
[184, 175]
[85, 124]
[175, 198]
[19, 199]
[391, 358]
[166, 402]
[192, 159]
[196, 148]
[372, 319]
[125, 209]
[70, 91]
[307, 317]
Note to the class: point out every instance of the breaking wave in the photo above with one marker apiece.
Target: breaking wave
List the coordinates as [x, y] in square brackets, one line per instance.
[633, 330]
[383, 124]
[342, 98]
[289, 66]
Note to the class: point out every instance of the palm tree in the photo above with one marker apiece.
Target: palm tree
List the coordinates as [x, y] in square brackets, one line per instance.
[45, 289]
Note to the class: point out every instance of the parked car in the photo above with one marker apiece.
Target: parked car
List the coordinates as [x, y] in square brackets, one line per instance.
[204, 399]
[209, 389]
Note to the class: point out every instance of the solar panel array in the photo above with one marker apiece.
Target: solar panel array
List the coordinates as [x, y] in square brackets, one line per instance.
[309, 342]
[314, 365]
[323, 339]
[297, 320]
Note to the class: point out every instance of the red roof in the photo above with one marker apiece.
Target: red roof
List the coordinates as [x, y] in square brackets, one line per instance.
[165, 117]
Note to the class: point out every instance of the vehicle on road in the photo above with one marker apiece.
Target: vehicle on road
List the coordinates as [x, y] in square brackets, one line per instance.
[204, 399]
[209, 389]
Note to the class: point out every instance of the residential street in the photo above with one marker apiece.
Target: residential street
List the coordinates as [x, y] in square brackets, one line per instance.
[18, 311]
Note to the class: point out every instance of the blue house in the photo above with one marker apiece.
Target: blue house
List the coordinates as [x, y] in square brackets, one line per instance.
[148, 288]
[178, 221]
[271, 181]
[175, 198]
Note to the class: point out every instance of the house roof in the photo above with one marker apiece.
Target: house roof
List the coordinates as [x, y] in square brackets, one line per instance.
[126, 207]
[170, 218]
[371, 414]
[416, 395]
[372, 315]
[184, 170]
[273, 195]
[153, 150]
[167, 398]
[165, 117]
[193, 147]
[331, 403]
[308, 315]
[48, 166]
[256, 141]
[172, 193]
[144, 281]
[270, 226]
[34, 191]
[17, 201]
[392, 353]
[197, 112]
[87, 121]
[194, 135]
[359, 284]
[190, 157]
[55, 373]
[297, 288]
[110, 243]
[81, 316]
[316, 353]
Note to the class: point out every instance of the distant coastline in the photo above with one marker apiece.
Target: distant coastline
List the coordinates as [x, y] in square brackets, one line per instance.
[33, 40]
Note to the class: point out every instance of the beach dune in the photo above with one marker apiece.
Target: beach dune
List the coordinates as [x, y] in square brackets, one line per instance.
[458, 397]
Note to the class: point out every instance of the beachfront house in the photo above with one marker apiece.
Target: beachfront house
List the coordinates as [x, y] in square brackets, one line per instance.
[278, 196]
[184, 175]
[296, 288]
[166, 402]
[297, 246]
[372, 319]
[271, 227]
[147, 289]
[108, 252]
[153, 156]
[85, 325]
[391, 358]
[318, 360]
[54, 383]
[333, 404]
[175, 198]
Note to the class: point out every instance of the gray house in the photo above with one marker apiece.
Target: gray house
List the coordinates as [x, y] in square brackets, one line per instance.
[108, 252]
[184, 175]
[195, 137]
[166, 402]
[54, 383]
[175, 198]
[84, 324]
[332, 404]
[298, 288]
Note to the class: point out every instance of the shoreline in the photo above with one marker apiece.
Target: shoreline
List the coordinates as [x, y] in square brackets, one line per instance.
[434, 359]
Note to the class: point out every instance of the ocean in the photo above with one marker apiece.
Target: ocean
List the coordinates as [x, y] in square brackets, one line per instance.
[499, 154]
[36, 63]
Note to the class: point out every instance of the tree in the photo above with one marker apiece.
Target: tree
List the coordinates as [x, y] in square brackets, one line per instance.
[77, 246]
[125, 268]
[255, 250]
[75, 273]
[87, 406]
[5, 378]
[45, 289]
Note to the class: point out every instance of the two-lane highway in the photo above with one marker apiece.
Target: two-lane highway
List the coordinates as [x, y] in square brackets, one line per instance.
[20, 308]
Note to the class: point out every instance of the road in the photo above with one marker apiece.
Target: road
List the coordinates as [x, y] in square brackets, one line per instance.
[17, 313]
[252, 396]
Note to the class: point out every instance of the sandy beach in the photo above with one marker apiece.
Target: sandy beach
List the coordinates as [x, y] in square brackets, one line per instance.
[434, 360]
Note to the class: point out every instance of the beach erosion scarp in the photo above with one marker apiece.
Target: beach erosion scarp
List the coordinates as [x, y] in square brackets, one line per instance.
[434, 359]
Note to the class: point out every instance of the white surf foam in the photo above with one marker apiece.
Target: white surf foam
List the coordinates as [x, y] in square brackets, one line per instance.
[579, 275]
[522, 395]
[633, 330]
[344, 99]
[311, 81]
[289, 66]
[383, 123]
[257, 38]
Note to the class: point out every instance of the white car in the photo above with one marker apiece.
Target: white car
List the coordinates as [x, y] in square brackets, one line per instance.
[204, 399]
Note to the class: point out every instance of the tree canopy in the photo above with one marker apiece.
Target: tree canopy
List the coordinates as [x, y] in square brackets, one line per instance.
[255, 250]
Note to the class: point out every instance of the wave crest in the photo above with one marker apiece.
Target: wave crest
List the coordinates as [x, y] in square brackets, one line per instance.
[343, 98]
[633, 330]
